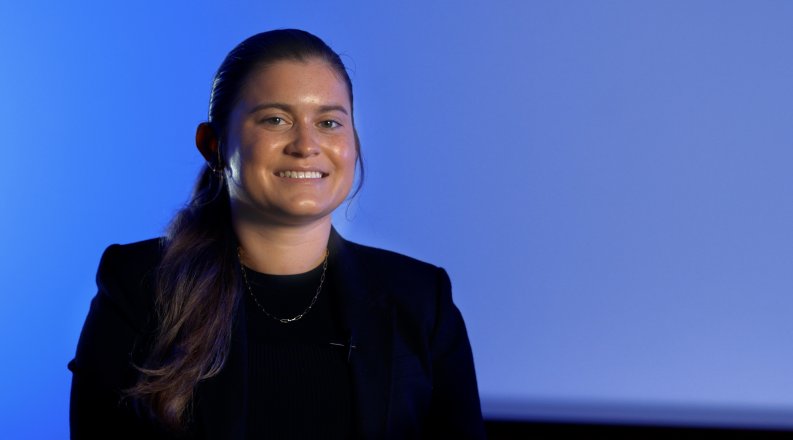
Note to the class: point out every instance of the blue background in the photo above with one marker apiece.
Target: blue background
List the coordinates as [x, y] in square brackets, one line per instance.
[608, 184]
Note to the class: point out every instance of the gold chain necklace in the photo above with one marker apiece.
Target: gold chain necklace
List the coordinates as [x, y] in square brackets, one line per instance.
[294, 318]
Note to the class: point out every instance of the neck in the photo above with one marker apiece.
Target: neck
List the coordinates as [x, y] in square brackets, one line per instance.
[283, 250]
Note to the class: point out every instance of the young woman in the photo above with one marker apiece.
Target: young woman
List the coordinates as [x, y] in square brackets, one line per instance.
[252, 317]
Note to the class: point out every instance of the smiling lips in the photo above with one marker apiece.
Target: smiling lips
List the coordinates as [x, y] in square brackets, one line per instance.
[301, 174]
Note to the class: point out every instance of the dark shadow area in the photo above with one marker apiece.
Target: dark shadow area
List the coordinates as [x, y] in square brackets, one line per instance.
[509, 430]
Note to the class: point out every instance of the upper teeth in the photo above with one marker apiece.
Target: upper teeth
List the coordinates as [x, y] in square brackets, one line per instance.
[301, 174]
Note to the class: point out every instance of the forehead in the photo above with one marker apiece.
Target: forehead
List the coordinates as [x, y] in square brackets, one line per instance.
[294, 82]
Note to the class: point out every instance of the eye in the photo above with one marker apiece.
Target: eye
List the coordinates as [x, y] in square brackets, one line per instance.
[274, 120]
[329, 124]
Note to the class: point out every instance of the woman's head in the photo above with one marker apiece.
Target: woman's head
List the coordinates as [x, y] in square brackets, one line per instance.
[249, 63]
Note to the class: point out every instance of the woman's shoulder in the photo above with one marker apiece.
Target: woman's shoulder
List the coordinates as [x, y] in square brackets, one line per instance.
[145, 249]
[125, 278]
[385, 262]
[405, 279]
[129, 264]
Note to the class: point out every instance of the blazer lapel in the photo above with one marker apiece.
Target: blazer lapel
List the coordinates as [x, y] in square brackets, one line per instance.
[366, 317]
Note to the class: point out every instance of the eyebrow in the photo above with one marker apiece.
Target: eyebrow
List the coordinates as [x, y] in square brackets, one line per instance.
[289, 108]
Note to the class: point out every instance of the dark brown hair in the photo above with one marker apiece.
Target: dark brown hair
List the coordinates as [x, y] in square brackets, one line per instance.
[197, 283]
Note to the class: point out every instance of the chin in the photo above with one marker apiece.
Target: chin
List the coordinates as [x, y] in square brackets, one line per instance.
[302, 214]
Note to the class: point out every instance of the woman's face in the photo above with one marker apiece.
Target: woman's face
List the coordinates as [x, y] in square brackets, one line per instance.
[290, 145]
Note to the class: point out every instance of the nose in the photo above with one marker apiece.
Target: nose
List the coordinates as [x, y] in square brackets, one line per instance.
[304, 143]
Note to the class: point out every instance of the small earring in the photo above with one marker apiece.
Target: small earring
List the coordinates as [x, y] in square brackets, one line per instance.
[218, 171]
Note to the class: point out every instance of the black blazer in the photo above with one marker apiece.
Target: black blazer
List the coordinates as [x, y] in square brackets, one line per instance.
[412, 370]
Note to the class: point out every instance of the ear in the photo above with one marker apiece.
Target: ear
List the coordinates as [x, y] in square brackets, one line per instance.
[207, 142]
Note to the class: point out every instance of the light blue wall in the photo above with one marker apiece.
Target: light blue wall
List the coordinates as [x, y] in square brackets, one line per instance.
[608, 184]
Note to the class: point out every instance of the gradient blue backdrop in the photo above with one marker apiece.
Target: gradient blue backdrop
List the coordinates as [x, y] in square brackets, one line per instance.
[608, 184]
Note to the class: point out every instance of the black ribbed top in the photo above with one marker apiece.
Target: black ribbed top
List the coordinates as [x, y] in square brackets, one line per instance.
[299, 384]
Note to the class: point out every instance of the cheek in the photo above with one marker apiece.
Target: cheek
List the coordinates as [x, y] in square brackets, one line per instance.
[346, 164]
[253, 155]
[345, 152]
[245, 168]
[233, 163]
[349, 156]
